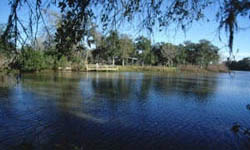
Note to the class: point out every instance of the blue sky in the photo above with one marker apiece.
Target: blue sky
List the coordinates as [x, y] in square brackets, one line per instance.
[199, 30]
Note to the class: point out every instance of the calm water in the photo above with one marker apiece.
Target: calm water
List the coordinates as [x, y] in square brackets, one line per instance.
[124, 111]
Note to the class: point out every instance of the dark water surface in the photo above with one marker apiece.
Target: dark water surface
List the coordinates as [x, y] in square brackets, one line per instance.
[124, 111]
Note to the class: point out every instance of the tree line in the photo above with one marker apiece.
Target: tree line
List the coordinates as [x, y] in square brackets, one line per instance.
[147, 14]
[113, 48]
[124, 49]
[243, 64]
[73, 27]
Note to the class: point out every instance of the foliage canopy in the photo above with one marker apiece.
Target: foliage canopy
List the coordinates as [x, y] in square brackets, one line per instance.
[76, 15]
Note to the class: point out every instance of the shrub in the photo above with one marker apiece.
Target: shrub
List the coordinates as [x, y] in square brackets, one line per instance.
[77, 63]
[62, 62]
[34, 60]
[2, 61]
[49, 61]
[31, 60]
[76, 59]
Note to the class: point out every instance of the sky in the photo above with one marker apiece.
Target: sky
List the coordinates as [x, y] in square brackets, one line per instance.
[199, 30]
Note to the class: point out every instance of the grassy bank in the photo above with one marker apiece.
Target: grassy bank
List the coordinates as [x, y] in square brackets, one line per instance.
[186, 68]
[30, 60]
[197, 69]
[181, 68]
[38, 62]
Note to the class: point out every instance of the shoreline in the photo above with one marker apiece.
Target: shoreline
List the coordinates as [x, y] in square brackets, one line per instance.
[129, 68]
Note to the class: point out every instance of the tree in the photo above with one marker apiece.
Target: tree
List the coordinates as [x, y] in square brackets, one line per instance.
[143, 47]
[100, 52]
[243, 64]
[206, 53]
[202, 53]
[126, 48]
[190, 49]
[72, 20]
[6, 47]
[113, 45]
[77, 13]
[181, 57]
[166, 53]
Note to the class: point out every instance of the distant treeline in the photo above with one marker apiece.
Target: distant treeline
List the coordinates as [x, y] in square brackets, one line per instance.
[243, 64]
[121, 49]
[114, 48]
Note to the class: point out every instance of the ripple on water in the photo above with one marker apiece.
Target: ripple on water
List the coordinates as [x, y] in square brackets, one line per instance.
[126, 111]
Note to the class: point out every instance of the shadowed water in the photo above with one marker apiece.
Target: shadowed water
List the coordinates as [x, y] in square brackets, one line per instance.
[124, 111]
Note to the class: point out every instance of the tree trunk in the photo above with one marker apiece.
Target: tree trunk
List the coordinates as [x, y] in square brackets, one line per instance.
[123, 62]
[86, 59]
[113, 61]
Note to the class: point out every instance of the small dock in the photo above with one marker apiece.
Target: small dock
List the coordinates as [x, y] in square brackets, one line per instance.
[97, 67]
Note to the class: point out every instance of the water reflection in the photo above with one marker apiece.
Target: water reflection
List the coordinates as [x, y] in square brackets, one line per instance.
[62, 90]
[200, 87]
[116, 88]
[122, 86]
[8, 81]
[136, 110]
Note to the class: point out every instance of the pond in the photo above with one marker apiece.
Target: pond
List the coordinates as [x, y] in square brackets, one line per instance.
[124, 111]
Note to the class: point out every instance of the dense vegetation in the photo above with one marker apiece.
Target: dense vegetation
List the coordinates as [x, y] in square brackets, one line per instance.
[69, 29]
[124, 49]
[114, 48]
[76, 15]
[243, 64]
